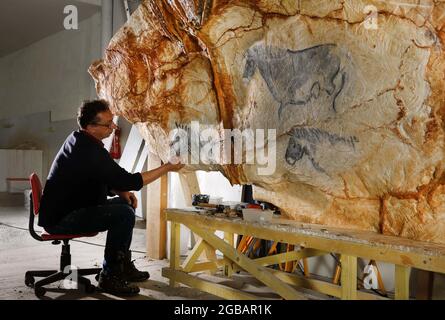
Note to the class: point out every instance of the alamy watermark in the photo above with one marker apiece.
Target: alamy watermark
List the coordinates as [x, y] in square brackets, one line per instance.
[191, 144]
[71, 281]
[71, 21]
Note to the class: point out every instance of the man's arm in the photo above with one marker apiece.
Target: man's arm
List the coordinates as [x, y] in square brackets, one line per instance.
[152, 175]
[148, 177]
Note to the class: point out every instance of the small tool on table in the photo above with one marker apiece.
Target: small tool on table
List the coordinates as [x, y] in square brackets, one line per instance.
[201, 201]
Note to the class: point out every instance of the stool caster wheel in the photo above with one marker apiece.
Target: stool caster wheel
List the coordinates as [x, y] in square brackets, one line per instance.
[29, 280]
[39, 291]
[89, 288]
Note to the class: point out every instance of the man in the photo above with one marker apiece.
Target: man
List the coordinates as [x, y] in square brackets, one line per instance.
[75, 195]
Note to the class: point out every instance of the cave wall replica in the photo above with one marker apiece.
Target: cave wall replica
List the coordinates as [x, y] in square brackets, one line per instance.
[354, 89]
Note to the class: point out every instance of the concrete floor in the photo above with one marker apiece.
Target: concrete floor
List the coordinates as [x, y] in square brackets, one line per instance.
[19, 252]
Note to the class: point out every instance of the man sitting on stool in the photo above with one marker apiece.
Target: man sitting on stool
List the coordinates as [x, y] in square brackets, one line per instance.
[75, 195]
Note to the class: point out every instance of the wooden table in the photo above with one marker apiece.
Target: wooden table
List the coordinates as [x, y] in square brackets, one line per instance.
[314, 239]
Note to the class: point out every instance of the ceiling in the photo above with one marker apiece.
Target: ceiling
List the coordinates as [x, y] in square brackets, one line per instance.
[23, 22]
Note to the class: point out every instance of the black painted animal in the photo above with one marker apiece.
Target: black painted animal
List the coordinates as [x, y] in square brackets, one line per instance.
[305, 141]
[286, 72]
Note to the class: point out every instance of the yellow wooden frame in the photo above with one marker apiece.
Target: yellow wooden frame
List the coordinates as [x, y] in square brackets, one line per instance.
[315, 240]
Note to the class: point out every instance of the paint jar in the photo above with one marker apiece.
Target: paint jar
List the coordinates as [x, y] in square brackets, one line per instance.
[257, 215]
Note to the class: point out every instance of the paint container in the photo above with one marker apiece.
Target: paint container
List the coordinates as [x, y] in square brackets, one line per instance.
[257, 215]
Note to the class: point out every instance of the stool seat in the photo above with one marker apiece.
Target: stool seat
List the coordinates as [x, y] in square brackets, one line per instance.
[51, 236]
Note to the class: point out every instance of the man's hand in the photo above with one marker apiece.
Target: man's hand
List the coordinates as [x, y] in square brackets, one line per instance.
[152, 175]
[175, 167]
[129, 197]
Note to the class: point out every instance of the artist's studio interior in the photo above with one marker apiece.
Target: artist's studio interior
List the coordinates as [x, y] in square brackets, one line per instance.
[222, 150]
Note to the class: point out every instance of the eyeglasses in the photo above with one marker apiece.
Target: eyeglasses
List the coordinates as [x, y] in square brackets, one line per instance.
[112, 125]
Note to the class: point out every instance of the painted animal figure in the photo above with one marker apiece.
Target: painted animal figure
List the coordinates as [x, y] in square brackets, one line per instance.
[305, 141]
[287, 72]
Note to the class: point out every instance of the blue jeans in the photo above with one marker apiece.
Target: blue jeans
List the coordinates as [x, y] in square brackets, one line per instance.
[117, 216]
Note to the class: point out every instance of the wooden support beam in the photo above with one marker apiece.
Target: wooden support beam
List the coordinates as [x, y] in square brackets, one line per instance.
[348, 277]
[207, 286]
[209, 265]
[320, 286]
[210, 255]
[156, 225]
[189, 185]
[289, 265]
[261, 273]
[306, 268]
[288, 256]
[402, 282]
[204, 266]
[175, 248]
[193, 256]
[228, 268]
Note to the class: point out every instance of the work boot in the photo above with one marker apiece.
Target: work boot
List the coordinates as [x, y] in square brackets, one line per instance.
[130, 273]
[114, 284]
[111, 278]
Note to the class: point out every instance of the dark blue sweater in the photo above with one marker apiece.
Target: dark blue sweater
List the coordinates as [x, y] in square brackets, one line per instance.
[81, 176]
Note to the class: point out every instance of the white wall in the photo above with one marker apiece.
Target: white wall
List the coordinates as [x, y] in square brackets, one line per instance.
[18, 164]
[36, 131]
[51, 74]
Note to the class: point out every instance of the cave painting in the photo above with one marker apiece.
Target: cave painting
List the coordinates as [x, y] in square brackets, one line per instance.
[287, 73]
[305, 141]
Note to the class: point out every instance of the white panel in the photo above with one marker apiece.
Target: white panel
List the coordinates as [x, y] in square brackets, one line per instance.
[19, 164]
[131, 149]
[3, 169]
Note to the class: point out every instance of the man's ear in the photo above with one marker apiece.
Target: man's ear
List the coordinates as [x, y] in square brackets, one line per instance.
[89, 128]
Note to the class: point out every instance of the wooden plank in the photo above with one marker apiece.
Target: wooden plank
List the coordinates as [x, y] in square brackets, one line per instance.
[204, 266]
[156, 226]
[289, 264]
[306, 268]
[140, 212]
[175, 248]
[193, 256]
[402, 282]
[348, 277]
[288, 256]
[189, 185]
[390, 249]
[162, 217]
[210, 254]
[228, 268]
[207, 286]
[259, 272]
[320, 286]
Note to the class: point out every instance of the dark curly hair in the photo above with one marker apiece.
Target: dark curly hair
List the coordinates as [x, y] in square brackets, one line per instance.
[87, 113]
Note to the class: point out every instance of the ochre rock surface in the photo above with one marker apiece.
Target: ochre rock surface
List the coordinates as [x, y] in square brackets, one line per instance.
[355, 90]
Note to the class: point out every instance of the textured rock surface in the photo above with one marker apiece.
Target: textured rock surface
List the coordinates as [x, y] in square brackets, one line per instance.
[357, 97]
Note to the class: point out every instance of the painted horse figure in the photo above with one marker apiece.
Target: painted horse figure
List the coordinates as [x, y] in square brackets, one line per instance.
[287, 72]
